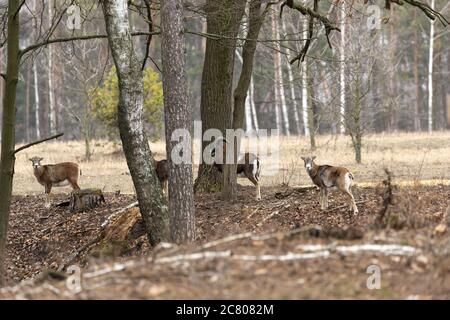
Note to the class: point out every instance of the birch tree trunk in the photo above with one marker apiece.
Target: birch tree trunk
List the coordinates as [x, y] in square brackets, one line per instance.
[342, 79]
[51, 100]
[291, 85]
[8, 126]
[178, 116]
[36, 100]
[430, 73]
[279, 87]
[36, 81]
[417, 122]
[139, 158]
[252, 105]
[305, 84]
[27, 102]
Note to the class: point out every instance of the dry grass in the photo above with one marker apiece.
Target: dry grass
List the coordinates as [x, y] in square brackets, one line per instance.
[411, 157]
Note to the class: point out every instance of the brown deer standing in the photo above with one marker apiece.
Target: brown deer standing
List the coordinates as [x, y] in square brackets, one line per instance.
[55, 175]
[327, 177]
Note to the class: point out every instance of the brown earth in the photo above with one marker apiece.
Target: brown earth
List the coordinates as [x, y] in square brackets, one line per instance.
[254, 266]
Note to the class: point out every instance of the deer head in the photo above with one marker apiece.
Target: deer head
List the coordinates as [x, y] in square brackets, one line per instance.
[36, 161]
[309, 162]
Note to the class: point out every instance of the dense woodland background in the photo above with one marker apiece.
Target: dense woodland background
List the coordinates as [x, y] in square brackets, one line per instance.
[56, 85]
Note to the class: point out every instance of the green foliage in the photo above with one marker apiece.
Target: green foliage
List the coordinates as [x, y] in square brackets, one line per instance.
[104, 100]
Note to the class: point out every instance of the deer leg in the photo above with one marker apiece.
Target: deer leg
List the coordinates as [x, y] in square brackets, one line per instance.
[352, 201]
[74, 184]
[325, 196]
[322, 199]
[48, 189]
[258, 192]
[256, 183]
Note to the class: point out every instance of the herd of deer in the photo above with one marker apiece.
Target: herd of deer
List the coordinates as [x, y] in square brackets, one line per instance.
[323, 176]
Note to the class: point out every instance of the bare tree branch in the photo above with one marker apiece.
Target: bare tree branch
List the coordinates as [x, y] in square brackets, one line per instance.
[38, 142]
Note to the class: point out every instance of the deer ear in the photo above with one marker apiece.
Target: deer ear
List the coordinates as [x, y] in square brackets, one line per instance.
[31, 160]
[313, 157]
[40, 159]
[303, 158]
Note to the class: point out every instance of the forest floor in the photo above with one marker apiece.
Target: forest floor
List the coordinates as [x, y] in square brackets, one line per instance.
[282, 247]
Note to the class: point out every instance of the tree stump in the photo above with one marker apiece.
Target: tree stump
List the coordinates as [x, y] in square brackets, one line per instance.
[85, 199]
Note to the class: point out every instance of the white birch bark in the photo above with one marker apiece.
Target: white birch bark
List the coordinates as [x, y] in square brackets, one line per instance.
[305, 84]
[291, 85]
[342, 71]
[36, 84]
[279, 89]
[252, 105]
[430, 73]
[51, 100]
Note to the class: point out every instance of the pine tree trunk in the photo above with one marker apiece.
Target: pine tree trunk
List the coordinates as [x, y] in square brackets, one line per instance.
[8, 126]
[178, 116]
[139, 158]
[223, 18]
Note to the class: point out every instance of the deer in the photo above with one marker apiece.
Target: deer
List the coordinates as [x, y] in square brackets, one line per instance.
[55, 175]
[328, 177]
[248, 165]
[162, 171]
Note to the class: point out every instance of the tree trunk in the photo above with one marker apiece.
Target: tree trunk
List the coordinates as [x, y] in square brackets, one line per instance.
[248, 102]
[291, 85]
[8, 126]
[417, 122]
[178, 116]
[279, 82]
[252, 105]
[36, 101]
[248, 53]
[223, 18]
[36, 81]
[311, 114]
[357, 127]
[430, 74]
[304, 70]
[27, 102]
[51, 100]
[342, 80]
[139, 158]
